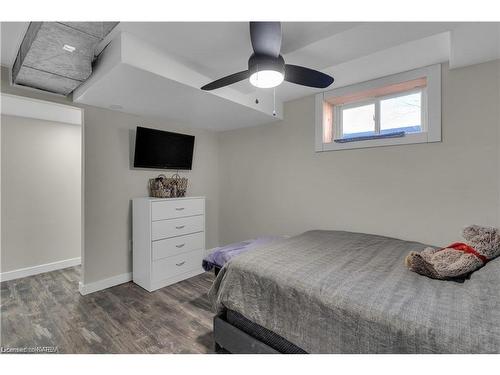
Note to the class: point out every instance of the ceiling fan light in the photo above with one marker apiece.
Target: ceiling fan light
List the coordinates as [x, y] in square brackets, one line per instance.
[266, 79]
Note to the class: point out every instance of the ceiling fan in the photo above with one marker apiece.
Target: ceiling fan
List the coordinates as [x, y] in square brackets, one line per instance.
[266, 67]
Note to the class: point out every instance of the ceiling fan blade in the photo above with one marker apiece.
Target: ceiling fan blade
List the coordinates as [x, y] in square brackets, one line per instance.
[266, 38]
[307, 77]
[226, 81]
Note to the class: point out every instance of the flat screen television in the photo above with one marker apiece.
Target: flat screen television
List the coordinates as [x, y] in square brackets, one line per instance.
[160, 149]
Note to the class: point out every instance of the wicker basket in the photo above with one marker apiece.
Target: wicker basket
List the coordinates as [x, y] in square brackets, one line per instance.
[168, 187]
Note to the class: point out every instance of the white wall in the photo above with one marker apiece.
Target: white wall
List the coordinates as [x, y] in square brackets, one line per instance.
[110, 182]
[41, 192]
[272, 181]
[268, 179]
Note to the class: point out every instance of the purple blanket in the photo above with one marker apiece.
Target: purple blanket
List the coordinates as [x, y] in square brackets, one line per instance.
[221, 255]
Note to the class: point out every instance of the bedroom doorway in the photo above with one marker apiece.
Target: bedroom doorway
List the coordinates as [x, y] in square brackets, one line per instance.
[41, 187]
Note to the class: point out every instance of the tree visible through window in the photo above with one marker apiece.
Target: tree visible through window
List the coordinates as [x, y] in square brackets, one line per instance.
[402, 113]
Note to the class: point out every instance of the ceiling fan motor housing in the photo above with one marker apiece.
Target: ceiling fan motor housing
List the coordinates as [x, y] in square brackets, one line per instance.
[260, 62]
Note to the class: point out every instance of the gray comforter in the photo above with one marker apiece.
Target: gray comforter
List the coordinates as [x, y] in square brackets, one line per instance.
[341, 292]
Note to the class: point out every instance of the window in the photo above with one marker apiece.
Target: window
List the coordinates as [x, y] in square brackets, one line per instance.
[357, 121]
[400, 109]
[401, 113]
[380, 117]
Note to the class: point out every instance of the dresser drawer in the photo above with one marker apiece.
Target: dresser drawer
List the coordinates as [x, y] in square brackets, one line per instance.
[169, 267]
[177, 227]
[177, 208]
[178, 245]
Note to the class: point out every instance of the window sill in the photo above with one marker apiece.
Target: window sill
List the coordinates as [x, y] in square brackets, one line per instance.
[383, 142]
[370, 137]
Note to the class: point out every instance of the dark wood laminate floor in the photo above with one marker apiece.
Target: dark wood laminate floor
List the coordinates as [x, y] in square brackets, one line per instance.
[48, 310]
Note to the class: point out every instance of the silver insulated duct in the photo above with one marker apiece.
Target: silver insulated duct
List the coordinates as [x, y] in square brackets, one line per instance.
[57, 56]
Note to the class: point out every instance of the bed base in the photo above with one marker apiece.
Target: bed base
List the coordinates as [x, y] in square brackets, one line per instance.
[229, 339]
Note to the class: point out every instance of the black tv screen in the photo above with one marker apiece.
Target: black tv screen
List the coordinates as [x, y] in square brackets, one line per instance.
[162, 150]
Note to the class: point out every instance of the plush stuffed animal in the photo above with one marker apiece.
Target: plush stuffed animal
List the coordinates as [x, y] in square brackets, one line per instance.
[459, 259]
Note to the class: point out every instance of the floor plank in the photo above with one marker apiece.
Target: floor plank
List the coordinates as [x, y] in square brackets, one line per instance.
[48, 310]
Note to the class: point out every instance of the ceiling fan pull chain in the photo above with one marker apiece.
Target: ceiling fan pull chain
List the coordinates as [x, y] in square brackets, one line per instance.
[256, 89]
[274, 101]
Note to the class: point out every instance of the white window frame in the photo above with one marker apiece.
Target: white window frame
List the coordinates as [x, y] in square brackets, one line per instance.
[431, 110]
[338, 115]
[338, 123]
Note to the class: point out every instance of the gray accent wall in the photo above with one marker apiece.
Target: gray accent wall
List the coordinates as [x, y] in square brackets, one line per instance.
[273, 182]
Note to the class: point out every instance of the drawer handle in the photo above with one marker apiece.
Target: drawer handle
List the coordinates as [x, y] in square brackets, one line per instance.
[179, 246]
[180, 227]
[180, 264]
[179, 208]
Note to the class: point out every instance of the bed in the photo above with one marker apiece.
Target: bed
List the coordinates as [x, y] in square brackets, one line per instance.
[342, 292]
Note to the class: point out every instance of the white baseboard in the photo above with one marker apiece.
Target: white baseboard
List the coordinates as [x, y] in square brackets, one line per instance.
[35, 270]
[104, 284]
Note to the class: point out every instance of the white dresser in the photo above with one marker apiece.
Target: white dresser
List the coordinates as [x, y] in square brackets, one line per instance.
[168, 240]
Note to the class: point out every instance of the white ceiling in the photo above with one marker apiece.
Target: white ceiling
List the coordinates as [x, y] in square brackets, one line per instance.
[179, 104]
[217, 49]
[147, 60]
